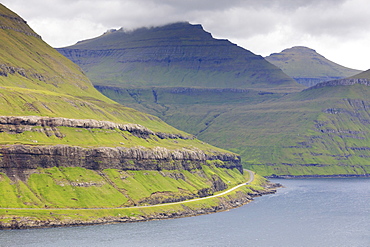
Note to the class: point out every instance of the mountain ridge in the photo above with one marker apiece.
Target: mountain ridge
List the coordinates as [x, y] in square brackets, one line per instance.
[174, 55]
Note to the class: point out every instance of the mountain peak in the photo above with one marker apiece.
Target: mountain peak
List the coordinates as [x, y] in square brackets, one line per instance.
[169, 26]
[308, 67]
[173, 31]
[298, 50]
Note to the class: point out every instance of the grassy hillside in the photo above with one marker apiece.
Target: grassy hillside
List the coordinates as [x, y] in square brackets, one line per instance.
[320, 131]
[35, 79]
[308, 67]
[74, 187]
[67, 182]
[53, 122]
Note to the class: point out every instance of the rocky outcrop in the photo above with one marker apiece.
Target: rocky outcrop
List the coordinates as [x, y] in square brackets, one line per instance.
[309, 82]
[24, 157]
[16, 160]
[6, 70]
[342, 82]
[22, 27]
[19, 124]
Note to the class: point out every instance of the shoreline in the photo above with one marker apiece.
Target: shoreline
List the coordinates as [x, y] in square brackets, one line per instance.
[318, 176]
[242, 196]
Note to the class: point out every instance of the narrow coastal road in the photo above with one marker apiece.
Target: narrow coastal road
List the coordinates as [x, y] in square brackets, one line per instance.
[251, 178]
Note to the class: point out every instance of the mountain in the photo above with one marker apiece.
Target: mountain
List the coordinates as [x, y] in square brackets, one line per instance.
[277, 130]
[174, 55]
[308, 67]
[65, 146]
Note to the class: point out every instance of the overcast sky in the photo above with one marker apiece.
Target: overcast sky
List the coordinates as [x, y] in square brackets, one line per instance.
[337, 29]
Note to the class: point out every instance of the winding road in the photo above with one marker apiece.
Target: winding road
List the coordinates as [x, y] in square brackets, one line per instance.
[251, 178]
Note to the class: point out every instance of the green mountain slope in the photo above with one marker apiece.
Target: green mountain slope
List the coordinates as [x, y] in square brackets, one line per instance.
[319, 131]
[64, 144]
[175, 55]
[36, 80]
[308, 67]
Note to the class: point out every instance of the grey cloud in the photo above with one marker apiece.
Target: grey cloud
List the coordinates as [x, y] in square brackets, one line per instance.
[234, 17]
[346, 21]
[297, 20]
[113, 9]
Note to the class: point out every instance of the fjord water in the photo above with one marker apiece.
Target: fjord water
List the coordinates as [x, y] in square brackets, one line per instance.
[307, 212]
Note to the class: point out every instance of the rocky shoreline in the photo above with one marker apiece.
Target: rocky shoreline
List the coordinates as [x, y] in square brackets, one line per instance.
[225, 203]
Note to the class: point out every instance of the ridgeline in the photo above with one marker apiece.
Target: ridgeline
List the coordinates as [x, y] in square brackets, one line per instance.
[174, 55]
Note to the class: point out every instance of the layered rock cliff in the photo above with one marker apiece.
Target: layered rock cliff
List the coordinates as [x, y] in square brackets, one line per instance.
[20, 124]
[139, 158]
[98, 158]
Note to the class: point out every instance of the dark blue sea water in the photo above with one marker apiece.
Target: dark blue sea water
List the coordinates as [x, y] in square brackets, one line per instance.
[307, 212]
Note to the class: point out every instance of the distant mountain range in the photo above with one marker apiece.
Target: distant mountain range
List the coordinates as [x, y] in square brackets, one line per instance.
[308, 67]
[174, 55]
[229, 97]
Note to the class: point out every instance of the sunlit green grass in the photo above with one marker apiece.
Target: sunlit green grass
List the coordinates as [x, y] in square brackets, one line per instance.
[75, 187]
[53, 197]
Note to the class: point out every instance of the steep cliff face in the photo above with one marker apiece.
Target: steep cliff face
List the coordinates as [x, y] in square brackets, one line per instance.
[176, 55]
[140, 158]
[308, 67]
[98, 158]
